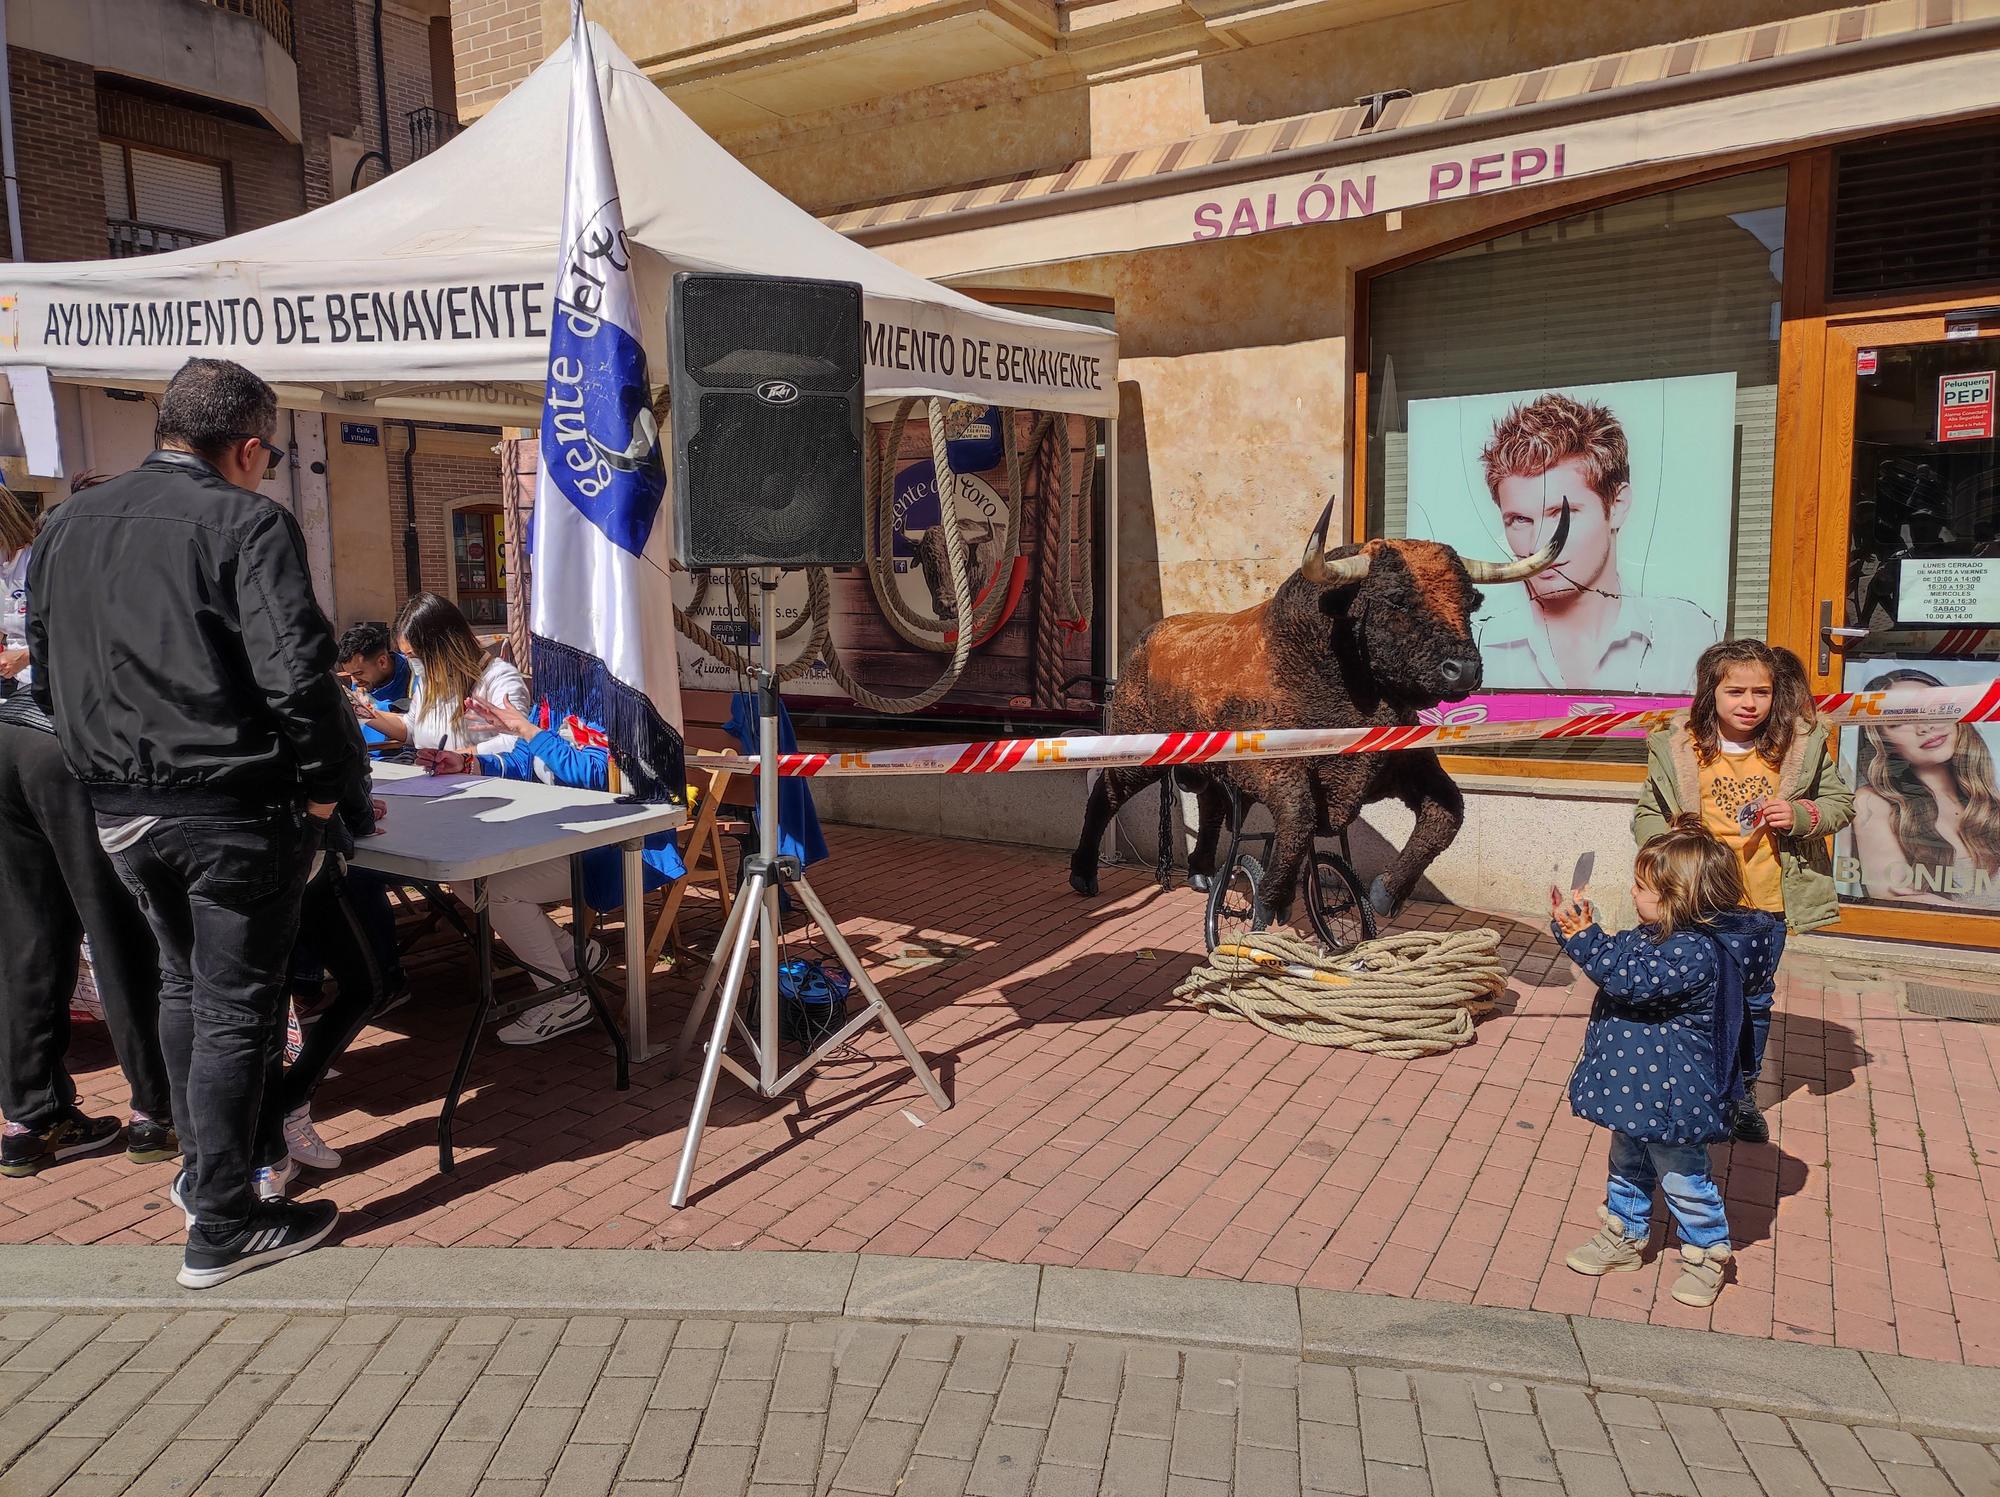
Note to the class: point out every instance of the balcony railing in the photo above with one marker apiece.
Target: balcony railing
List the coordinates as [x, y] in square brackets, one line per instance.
[275, 16]
[128, 238]
[429, 129]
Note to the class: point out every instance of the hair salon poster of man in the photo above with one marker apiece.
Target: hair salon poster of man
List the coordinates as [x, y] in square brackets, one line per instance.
[1926, 814]
[1647, 470]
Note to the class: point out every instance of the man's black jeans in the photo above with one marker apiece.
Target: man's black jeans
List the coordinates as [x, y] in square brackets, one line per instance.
[56, 886]
[222, 895]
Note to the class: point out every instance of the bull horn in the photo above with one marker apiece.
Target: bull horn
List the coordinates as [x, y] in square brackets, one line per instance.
[1315, 567]
[916, 537]
[1527, 566]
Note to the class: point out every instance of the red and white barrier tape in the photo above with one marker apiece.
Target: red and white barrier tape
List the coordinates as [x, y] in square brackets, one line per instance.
[1970, 704]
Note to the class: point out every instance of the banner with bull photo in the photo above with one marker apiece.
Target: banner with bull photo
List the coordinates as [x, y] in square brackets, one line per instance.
[1032, 568]
[1647, 469]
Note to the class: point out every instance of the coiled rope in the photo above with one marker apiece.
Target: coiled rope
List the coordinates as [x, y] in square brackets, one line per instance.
[1404, 996]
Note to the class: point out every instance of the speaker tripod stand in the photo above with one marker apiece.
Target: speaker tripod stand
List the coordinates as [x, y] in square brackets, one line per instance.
[753, 919]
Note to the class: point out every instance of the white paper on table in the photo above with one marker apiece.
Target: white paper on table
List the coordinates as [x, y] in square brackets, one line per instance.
[427, 786]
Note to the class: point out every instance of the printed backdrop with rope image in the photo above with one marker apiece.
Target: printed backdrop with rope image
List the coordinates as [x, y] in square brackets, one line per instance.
[885, 636]
[1647, 469]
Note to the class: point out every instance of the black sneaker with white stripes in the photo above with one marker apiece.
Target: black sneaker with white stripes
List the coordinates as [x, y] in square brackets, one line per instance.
[279, 1230]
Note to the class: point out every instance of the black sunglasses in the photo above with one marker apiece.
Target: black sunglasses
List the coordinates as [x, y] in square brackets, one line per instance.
[273, 456]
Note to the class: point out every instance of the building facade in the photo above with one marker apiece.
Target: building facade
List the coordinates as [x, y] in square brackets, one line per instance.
[143, 126]
[1380, 248]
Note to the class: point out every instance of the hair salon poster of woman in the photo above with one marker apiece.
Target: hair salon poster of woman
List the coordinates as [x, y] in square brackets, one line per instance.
[1926, 815]
[1647, 470]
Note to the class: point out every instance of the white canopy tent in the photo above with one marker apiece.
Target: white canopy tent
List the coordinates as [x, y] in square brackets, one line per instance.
[427, 296]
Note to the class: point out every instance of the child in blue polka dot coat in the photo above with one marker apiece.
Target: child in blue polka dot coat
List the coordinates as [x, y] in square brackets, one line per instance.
[1668, 1047]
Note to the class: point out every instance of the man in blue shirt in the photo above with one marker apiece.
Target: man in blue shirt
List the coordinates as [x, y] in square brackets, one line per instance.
[369, 668]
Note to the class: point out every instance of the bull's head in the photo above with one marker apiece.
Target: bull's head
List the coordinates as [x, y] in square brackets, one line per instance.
[931, 561]
[1410, 605]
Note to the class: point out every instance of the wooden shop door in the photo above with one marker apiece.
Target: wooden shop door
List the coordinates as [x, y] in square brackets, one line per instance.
[1907, 571]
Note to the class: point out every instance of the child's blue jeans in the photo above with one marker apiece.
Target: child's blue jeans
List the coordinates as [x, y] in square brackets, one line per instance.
[1682, 1171]
[1759, 1006]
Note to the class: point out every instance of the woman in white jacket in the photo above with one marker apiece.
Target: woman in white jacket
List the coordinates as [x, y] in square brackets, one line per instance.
[447, 666]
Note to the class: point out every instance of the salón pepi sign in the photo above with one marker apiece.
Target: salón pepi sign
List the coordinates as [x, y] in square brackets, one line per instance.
[1327, 196]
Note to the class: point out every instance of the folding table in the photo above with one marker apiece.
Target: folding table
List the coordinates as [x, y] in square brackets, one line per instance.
[463, 830]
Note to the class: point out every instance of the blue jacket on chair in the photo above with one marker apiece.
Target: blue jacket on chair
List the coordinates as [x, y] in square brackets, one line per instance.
[1668, 1043]
[555, 757]
[798, 821]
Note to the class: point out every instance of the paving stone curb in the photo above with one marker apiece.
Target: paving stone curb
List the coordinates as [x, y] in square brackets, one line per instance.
[1783, 1378]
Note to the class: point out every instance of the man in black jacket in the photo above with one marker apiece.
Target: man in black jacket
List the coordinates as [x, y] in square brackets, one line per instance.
[177, 647]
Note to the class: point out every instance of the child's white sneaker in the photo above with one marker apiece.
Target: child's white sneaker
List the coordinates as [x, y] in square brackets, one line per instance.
[545, 1021]
[270, 1180]
[1702, 1272]
[303, 1143]
[1610, 1251]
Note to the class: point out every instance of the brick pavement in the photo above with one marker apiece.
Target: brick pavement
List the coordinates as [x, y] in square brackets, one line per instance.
[1098, 1124]
[382, 1405]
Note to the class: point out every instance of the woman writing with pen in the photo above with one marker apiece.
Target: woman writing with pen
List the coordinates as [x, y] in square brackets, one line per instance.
[448, 666]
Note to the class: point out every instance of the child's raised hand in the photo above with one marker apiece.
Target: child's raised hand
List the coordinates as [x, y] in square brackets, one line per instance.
[1776, 814]
[1574, 914]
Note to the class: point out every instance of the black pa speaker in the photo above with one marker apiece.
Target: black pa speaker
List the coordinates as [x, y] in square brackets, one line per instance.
[765, 383]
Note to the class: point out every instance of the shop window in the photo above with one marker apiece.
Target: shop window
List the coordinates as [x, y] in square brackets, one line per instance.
[1916, 213]
[1624, 361]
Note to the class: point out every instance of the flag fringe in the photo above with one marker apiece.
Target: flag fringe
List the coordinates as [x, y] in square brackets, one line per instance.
[647, 749]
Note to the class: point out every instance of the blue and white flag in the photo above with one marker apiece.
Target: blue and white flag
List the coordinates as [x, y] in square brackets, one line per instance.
[602, 615]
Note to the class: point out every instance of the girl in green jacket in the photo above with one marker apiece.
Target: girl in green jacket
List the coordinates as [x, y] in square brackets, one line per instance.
[1752, 758]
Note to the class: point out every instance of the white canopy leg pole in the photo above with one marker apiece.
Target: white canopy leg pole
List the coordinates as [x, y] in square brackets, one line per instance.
[313, 503]
[1110, 544]
[638, 971]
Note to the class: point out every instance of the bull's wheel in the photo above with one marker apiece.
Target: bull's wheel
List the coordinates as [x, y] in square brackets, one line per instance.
[1232, 901]
[1341, 915]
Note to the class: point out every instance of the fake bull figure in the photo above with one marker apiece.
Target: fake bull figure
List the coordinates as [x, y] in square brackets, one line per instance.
[1366, 636]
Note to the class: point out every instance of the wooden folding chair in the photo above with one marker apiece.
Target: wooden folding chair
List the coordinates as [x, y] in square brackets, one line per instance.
[703, 857]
